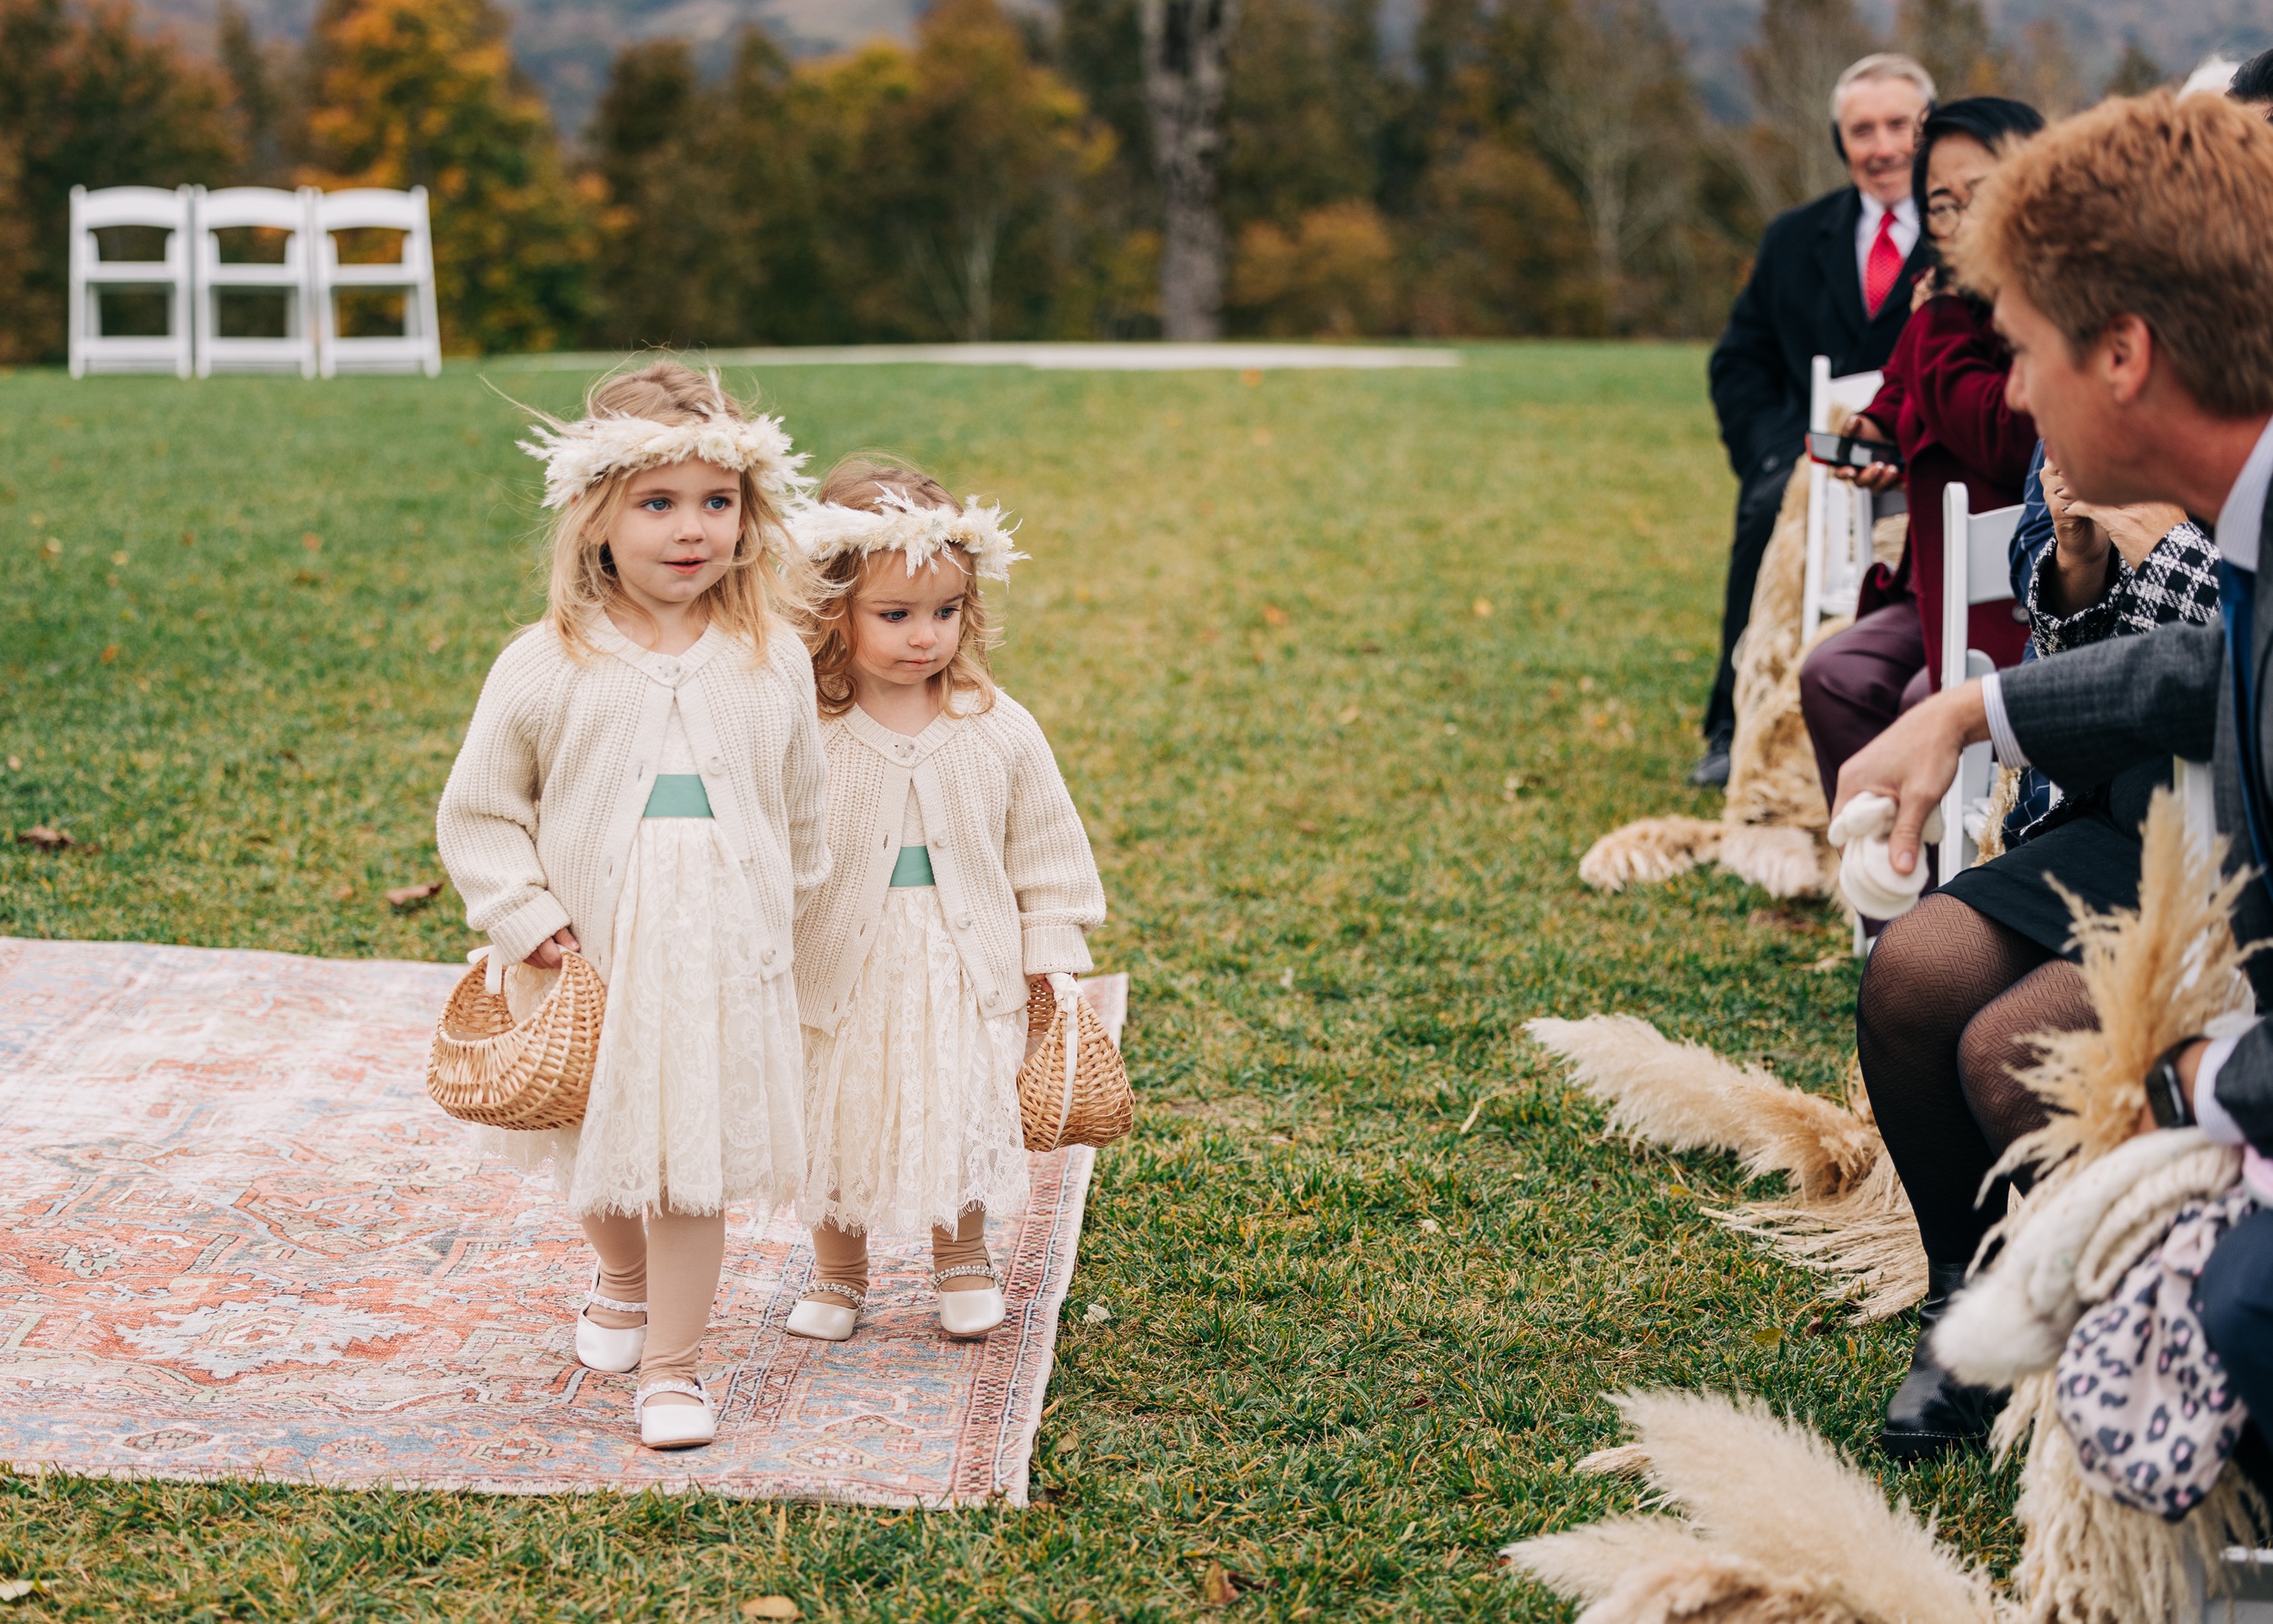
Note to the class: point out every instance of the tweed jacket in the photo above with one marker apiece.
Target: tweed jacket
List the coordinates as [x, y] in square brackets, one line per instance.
[1012, 862]
[538, 818]
[2087, 715]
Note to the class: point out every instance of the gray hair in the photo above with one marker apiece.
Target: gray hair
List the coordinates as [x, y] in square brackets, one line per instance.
[1883, 65]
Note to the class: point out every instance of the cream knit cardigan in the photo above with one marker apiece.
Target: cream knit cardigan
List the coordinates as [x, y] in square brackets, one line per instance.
[537, 820]
[1015, 877]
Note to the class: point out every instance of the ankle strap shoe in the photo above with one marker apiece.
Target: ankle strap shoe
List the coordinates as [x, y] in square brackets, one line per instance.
[613, 1349]
[674, 1426]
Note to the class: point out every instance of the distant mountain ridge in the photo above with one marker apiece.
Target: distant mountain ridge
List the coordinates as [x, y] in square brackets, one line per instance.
[566, 44]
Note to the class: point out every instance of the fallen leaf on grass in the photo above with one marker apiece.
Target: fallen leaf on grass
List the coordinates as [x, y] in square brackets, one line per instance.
[1274, 616]
[1431, 1227]
[17, 1590]
[1481, 608]
[1831, 961]
[409, 897]
[344, 894]
[46, 838]
[1347, 716]
[1220, 1587]
[312, 541]
[1097, 1314]
[110, 653]
[771, 1607]
[1768, 1336]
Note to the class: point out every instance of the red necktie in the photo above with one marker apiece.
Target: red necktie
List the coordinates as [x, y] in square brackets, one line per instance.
[1884, 268]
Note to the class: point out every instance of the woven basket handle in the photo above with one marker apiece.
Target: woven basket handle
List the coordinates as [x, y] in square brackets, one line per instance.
[1068, 992]
[493, 969]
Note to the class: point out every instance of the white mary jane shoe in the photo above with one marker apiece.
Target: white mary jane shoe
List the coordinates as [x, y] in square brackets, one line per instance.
[612, 1348]
[674, 1426]
[827, 1322]
[970, 1313]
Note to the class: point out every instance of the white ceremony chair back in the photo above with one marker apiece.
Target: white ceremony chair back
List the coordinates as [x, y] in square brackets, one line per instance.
[1838, 515]
[91, 350]
[419, 346]
[1975, 568]
[234, 208]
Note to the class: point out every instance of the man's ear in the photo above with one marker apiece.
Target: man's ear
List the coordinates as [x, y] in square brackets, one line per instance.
[2126, 356]
[1838, 141]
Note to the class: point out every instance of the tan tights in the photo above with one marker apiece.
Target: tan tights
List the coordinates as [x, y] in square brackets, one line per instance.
[841, 1258]
[671, 1263]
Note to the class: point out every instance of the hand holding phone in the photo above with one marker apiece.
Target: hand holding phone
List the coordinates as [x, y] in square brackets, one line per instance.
[1850, 451]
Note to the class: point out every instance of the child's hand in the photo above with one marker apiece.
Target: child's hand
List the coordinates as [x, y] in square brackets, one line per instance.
[547, 954]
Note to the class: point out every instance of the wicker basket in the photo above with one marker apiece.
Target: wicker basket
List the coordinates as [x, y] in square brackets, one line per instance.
[484, 1068]
[1078, 1099]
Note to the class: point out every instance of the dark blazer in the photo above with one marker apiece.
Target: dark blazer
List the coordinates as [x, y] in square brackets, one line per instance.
[1803, 299]
[2088, 714]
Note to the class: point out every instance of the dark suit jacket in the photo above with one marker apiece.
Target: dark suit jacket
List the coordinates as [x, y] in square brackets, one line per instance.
[2087, 715]
[1804, 300]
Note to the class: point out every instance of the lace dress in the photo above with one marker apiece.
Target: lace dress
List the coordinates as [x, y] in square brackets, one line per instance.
[696, 1095]
[912, 1102]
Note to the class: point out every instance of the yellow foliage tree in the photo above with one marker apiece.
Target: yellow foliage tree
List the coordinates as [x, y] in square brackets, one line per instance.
[408, 92]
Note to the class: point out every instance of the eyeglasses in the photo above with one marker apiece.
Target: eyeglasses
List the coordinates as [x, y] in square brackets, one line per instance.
[1947, 212]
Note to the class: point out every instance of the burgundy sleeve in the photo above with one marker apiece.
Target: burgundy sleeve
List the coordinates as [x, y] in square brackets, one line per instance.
[1961, 393]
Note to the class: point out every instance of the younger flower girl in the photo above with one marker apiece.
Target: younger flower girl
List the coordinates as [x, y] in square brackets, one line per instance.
[643, 782]
[962, 869]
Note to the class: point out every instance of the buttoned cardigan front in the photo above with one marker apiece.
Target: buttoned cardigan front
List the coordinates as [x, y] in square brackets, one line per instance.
[537, 820]
[1017, 880]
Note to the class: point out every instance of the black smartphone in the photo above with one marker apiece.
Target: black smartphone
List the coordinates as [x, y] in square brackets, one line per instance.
[1844, 451]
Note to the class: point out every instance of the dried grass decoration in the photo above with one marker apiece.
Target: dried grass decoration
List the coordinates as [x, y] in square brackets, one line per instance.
[1073, 1089]
[527, 1075]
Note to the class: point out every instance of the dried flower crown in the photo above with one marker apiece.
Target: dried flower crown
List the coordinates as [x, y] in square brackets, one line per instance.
[577, 456]
[825, 531]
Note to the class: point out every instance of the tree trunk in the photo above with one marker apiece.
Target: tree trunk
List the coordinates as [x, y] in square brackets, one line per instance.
[1185, 42]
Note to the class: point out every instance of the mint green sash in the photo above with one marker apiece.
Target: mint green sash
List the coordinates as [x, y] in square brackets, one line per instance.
[677, 795]
[914, 868]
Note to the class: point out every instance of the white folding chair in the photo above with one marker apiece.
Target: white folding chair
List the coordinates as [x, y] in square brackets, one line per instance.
[1975, 569]
[418, 348]
[264, 207]
[91, 275]
[1838, 515]
[2248, 1580]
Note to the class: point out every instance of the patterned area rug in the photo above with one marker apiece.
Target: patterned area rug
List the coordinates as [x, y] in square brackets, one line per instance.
[237, 1239]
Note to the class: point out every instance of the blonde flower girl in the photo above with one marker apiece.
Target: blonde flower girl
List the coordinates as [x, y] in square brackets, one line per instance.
[643, 782]
[962, 869]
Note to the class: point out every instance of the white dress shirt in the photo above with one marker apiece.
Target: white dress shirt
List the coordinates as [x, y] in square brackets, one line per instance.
[1905, 235]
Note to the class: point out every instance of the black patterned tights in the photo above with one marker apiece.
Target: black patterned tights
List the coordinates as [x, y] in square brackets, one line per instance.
[1947, 1002]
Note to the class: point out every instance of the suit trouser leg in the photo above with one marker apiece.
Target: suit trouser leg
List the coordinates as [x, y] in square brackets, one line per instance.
[1757, 502]
[2235, 1299]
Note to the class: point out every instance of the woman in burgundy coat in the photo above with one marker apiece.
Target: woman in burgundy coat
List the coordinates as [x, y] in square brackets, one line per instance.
[1943, 405]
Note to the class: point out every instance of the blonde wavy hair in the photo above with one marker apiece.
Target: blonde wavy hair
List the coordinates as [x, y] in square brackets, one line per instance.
[861, 481]
[766, 585]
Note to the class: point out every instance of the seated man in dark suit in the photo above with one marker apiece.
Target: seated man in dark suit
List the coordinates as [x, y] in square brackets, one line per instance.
[2126, 247]
[1831, 277]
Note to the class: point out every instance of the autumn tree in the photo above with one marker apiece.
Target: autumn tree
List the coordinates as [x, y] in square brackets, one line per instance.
[87, 97]
[1951, 39]
[410, 92]
[1804, 45]
[2136, 71]
[1618, 120]
[966, 165]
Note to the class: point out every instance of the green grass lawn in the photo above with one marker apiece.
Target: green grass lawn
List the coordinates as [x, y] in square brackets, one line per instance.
[1344, 670]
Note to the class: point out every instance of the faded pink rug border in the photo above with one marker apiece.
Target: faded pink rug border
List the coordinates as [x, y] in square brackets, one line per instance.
[236, 1241]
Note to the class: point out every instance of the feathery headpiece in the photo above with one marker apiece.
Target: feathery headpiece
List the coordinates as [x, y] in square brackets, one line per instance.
[825, 531]
[578, 454]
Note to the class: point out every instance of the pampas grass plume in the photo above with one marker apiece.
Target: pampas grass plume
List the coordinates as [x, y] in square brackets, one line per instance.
[2156, 975]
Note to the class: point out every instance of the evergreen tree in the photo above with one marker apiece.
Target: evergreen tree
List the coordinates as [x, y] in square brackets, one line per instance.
[2136, 73]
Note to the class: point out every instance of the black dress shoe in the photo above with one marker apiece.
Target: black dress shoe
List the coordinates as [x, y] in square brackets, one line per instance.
[1932, 1412]
[1712, 772]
